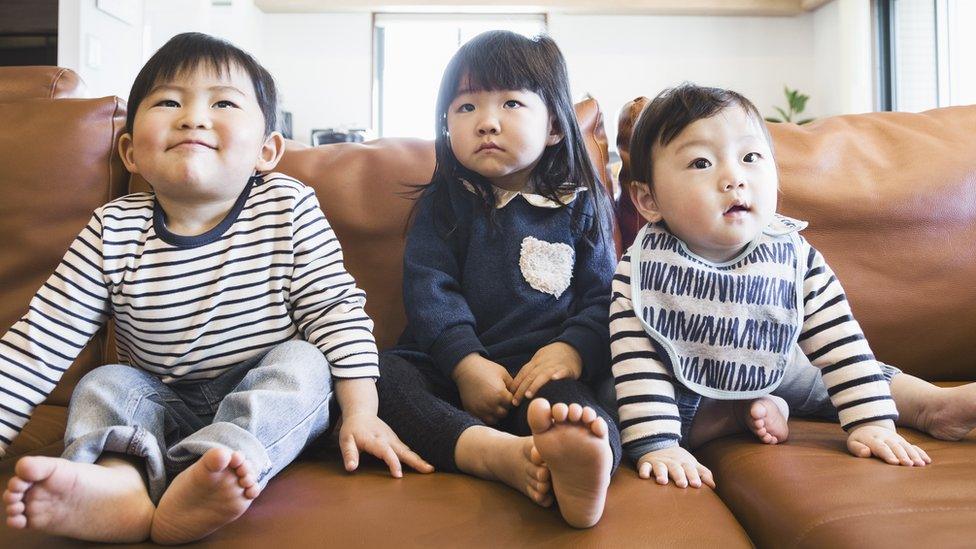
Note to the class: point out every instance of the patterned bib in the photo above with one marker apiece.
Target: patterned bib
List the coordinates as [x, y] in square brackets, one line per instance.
[726, 330]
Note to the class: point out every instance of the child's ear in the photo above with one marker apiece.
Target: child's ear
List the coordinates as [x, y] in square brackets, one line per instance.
[555, 134]
[125, 151]
[271, 152]
[643, 199]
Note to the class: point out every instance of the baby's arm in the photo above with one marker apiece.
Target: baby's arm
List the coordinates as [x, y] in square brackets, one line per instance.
[650, 426]
[833, 341]
[61, 318]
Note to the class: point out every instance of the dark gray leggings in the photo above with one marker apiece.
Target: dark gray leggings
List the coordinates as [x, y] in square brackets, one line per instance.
[423, 407]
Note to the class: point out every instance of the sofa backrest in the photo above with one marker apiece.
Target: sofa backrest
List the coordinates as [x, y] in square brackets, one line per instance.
[891, 202]
[39, 82]
[365, 189]
[59, 164]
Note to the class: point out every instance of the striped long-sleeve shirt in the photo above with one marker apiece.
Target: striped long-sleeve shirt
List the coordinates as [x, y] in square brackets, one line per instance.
[830, 337]
[189, 308]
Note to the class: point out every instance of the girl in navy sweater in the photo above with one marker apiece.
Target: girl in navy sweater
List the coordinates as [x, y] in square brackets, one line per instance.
[507, 275]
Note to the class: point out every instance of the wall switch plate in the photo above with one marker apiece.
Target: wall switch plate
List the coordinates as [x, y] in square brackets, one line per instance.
[93, 51]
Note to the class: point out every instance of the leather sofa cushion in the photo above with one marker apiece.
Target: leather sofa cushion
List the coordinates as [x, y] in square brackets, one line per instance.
[58, 166]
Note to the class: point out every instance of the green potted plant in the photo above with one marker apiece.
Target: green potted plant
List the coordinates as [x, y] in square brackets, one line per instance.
[795, 103]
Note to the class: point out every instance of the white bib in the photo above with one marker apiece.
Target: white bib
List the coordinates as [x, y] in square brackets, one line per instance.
[726, 330]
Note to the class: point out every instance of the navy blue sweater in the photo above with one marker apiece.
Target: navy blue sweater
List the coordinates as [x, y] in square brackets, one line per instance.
[466, 293]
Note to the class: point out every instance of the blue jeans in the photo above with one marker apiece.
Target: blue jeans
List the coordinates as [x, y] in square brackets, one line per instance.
[802, 388]
[268, 408]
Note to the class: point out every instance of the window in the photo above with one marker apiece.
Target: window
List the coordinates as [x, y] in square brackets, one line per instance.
[410, 54]
[926, 54]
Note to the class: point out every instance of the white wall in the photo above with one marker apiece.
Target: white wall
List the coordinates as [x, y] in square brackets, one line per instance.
[323, 62]
[104, 50]
[844, 67]
[323, 66]
[616, 58]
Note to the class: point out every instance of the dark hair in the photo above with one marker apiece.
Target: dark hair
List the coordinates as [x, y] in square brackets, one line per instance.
[503, 60]
[187, 51]
[673, 110]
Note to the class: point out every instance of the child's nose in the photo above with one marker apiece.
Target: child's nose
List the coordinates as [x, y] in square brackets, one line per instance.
[195, 118]
[488, 126]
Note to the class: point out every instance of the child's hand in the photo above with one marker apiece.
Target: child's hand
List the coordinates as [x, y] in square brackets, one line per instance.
[881, 440]
[371, 434]
[554, 361]
[483, 386]
[677, 463]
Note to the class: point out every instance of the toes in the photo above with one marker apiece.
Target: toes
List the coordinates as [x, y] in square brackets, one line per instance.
[13, 496]
[18, 485]
[574, 413]
[236, 460]
[216, 459]
[252, 492]
[599, 427]
[539, 415]
[535, 457]
[560, 411]
[589, 414]
[17, 508]
[17, 521]
[35, 468]
[247, 482]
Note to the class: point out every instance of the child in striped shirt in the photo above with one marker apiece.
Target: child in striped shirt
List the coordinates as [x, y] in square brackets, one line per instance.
[233, 315]
[723, 318]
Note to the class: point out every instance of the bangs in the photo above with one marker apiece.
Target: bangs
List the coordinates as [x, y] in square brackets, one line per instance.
[494, 62]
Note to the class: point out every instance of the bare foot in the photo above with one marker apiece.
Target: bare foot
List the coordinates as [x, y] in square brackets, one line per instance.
[212, 492]
[572, 441]
[493, 455]
[105, 502]
[951, 414]
[766, 417]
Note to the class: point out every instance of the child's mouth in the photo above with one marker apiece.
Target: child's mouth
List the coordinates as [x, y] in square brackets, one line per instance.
[736, 209]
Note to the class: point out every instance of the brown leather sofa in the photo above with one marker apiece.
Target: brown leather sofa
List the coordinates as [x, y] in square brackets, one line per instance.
[879, 191]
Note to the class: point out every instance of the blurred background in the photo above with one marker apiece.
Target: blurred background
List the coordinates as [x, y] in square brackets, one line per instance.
[355, 69]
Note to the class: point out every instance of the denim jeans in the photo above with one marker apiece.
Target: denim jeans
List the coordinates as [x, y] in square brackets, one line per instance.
[802, 388]
[268, 408]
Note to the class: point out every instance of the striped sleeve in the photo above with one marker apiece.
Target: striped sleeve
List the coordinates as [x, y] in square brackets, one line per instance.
[833, 341]
[61, 318]
[649, 418]
[328, 306]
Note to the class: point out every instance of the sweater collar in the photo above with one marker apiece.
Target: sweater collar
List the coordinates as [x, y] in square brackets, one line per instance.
[504, 196]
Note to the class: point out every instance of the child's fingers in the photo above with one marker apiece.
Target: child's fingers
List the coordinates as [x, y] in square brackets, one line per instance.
[706, 475]
[537, 383]
[644, 469]
[387, 454]
[660, 472]
[882, 450]
[677, 473]
[513, 385]
[523, 387]
[691, 473]
[858, 448]
[412, 459]
[915, 454]
[901, 453]
[350, 453]
[924, 455]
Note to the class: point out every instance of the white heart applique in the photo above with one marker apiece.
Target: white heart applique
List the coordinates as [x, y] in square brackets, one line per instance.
[546, 266]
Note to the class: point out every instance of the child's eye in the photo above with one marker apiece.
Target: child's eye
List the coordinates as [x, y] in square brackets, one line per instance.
[752, 157]
[167, 103]
[700, 164]
[224, 104]
[512, 104]
[467, 107]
